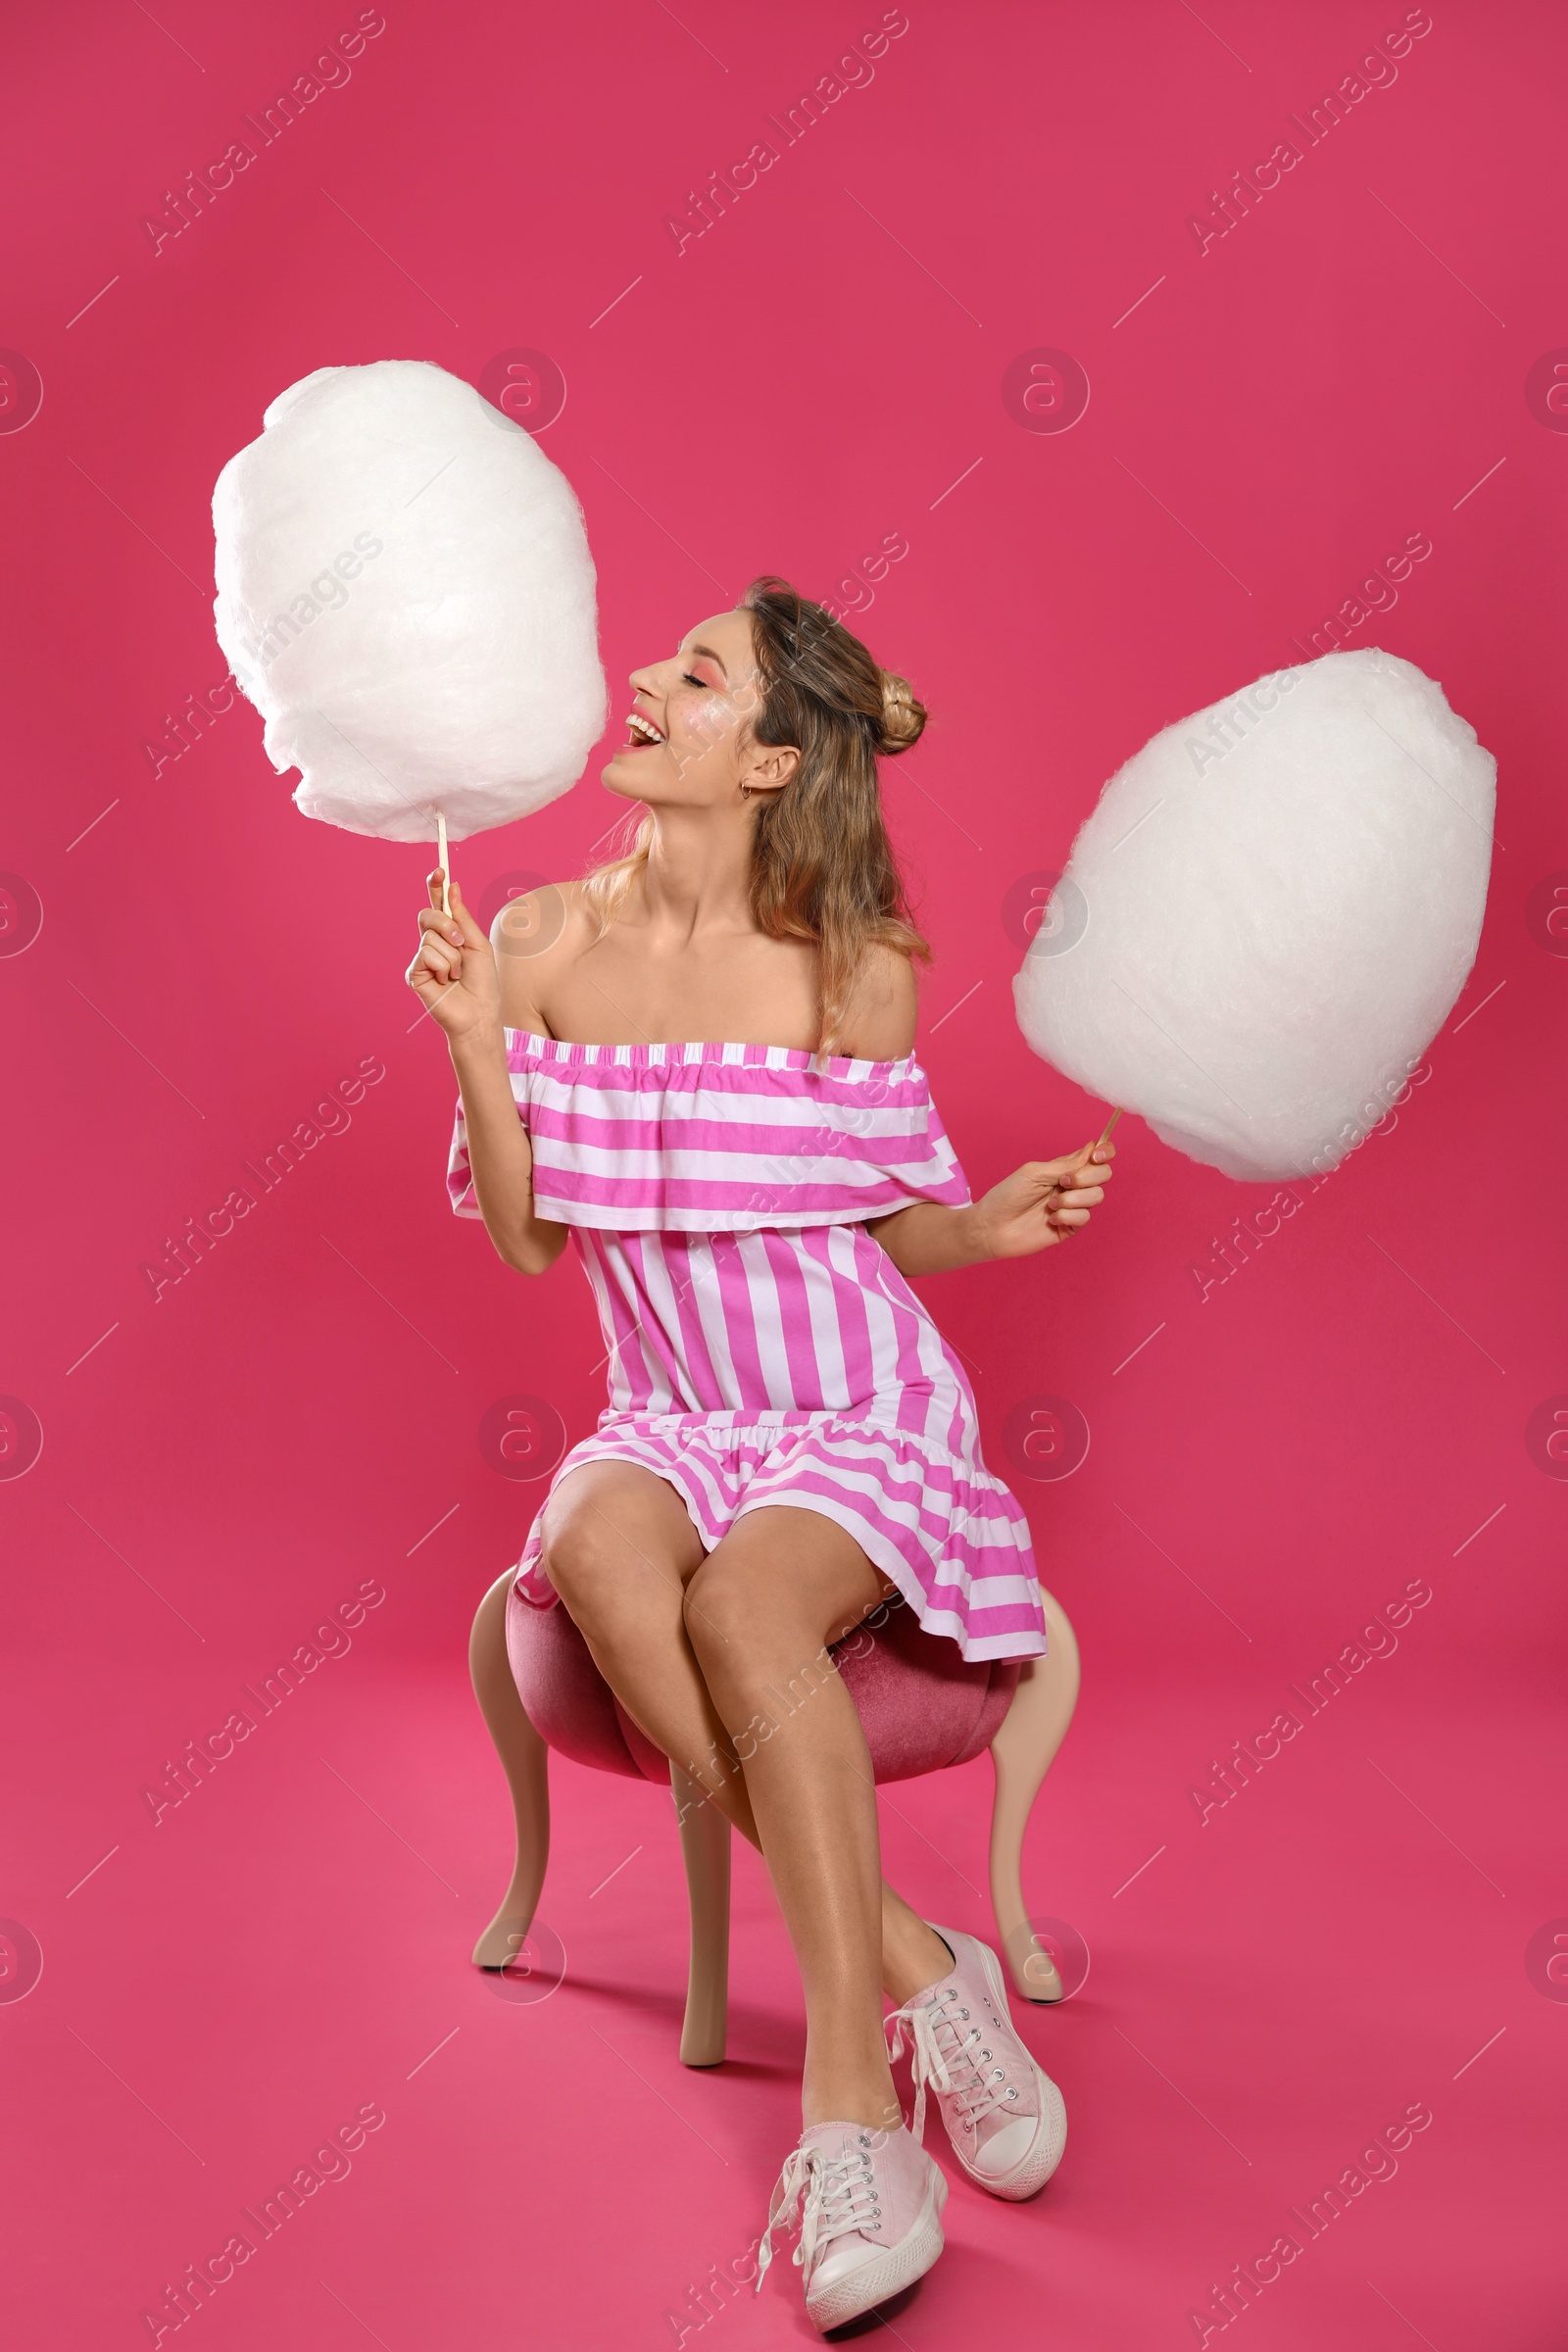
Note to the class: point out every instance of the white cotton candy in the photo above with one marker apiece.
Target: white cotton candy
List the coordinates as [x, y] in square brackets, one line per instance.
[405, 594]
[1269, 915]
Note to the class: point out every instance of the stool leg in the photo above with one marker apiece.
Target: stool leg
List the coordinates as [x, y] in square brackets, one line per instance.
[525, 1760]
[705, 1846]
[1032, 1731]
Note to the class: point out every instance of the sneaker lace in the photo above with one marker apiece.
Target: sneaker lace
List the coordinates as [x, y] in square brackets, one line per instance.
[829, 2195]
[945, 2051]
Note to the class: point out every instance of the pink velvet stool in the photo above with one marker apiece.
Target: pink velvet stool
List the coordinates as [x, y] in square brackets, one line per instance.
[920, 1707]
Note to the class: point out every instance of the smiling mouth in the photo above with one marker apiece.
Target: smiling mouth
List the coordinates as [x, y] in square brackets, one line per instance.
[641, 733]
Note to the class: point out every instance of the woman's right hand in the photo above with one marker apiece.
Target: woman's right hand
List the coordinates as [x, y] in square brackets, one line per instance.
[453, 975]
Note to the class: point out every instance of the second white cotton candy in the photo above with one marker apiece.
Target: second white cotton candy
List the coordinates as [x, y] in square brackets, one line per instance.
[1269, 913]
[406, 596]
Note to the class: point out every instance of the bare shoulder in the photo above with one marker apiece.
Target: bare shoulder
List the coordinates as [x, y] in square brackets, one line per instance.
[536, 937]
[880, 1015]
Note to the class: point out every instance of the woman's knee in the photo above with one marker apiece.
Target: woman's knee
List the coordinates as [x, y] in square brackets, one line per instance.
[736, 1616]
[782, 1583]
[615, 1533]
[586, 1563]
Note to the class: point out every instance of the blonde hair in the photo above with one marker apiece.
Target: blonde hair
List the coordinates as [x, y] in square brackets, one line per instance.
[823, 866]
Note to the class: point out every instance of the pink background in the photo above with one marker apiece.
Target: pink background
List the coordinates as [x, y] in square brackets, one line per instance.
[1351, 1411]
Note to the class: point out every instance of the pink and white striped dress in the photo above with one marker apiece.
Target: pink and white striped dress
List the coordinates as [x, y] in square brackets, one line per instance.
[763, 1347]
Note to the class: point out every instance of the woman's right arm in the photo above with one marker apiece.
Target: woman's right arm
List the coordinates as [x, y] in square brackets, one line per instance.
[454, 977]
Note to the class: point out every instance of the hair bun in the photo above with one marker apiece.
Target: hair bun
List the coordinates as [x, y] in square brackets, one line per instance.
[903, 717]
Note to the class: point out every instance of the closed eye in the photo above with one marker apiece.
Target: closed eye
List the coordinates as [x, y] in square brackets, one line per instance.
[688, 680]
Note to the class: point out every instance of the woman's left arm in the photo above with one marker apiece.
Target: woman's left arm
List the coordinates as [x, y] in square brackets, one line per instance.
[1038, 1204]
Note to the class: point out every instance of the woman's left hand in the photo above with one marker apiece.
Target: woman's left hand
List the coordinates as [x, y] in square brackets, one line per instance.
[1042, 1202]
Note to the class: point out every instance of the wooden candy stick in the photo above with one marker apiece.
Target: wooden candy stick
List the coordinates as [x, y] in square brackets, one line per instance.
[441, 854]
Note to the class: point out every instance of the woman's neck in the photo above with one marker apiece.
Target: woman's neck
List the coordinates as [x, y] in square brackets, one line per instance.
[698, 873]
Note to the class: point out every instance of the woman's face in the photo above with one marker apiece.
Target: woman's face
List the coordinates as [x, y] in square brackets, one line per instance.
[689, 738]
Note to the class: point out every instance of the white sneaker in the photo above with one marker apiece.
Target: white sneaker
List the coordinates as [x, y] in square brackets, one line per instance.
[1004, 2116]
[868, 2205]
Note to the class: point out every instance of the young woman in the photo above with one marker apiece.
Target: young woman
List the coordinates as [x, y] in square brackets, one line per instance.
[789, 1441]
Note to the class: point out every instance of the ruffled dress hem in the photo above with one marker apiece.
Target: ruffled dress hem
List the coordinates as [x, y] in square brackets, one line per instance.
[955, 1543]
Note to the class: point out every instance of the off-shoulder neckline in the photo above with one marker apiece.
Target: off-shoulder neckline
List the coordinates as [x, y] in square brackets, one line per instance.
[737, 1053]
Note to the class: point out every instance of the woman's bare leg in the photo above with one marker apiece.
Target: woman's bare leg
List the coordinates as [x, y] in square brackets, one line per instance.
[762, 1611]
[619, 1548]
[622, 1552]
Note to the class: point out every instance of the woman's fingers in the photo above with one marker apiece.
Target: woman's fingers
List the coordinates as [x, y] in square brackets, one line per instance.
[1075, 1163]
[1070, 1190]
[1063, 1192]
[453, 972]
[440, 961]
[426, 985]
[445, 938]
[473, 935]
[1070, 1205]
[459, 920]
[444, 926]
